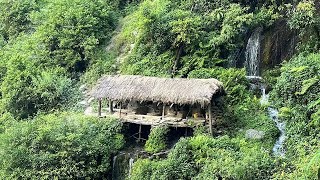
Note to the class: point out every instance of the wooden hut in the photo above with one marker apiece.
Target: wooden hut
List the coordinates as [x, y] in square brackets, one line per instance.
[152, 100]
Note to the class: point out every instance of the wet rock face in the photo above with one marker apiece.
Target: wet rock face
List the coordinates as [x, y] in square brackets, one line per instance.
[266, 48]
[254, 134]
[277, 44]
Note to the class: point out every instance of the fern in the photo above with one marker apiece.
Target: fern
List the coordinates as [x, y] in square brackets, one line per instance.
[306, 84]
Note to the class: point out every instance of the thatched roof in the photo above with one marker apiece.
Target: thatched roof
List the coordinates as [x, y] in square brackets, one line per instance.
[167, 90]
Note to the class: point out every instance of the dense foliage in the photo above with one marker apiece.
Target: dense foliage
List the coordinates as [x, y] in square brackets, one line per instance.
[50, 48]
[172, 38]
[157, 139]
[62, 146]
[203, 157]
[298, 96]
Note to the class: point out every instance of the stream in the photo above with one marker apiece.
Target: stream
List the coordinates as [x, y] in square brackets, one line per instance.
[252, 64]
[278, 149]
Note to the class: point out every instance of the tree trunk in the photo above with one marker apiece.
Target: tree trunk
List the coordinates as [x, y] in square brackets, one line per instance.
[176, 60]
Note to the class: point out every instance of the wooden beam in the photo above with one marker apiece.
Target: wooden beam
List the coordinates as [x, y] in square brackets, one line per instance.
[99, 107]
[210, 119]
[110, 106]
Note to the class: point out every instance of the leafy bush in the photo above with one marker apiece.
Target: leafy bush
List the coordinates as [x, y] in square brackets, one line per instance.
[142, 170]
[27, 90]
[62, 146]
[15, 17]
[157, 139]
[29, 82]
[70, 30]
[297, 94]
[6, 120]
[174, 38]
[103, 63]
[234, 81]
[204, 157]
[242, 110]
[304, 17]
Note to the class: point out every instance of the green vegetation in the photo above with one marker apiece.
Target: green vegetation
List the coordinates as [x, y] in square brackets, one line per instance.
[63, 146]
[49, 48]
[298, 96]
[203, 157]
[157, 139]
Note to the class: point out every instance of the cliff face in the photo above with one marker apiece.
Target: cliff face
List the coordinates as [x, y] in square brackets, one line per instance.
[267, 48]
[277, 44]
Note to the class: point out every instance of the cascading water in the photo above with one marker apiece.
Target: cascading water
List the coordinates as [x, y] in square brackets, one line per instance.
[252, 64]
[131, 160]
[278, 148]
[121, 166]
[253, 53]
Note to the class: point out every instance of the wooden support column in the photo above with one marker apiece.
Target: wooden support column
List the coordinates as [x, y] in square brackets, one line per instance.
[163, 109]
[120, 109]
[110, 106]
[210, 119]
[139, 138]
[99, 107]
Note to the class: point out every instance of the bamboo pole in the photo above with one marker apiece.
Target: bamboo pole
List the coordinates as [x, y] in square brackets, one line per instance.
[210, 119]
[163, 109]
[111, 106]
[139, 133]
[120, 109]
[99, 107]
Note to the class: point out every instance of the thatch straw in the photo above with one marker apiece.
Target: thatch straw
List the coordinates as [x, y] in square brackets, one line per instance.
[166, 90]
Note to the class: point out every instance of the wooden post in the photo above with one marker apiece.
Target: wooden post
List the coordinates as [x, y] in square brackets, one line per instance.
[120, 109]
[139, 138]
[99, 107]
[163, 108]
[210, 119]
[110, 106]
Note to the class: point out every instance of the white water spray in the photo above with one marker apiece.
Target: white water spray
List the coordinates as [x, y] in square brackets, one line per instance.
[131, 160]
[278, 148]
[253, 53]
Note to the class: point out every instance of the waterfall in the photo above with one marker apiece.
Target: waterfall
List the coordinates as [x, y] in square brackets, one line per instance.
[252, 53]
[114, 163]
[131, 160]
[122, 166]
[278, 148]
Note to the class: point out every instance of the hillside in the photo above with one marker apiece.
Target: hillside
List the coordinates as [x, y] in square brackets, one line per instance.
[266, 54]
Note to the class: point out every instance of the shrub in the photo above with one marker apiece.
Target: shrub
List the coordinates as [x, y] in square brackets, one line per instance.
[103, 63]
[27, 90]
[204, 157]
[234, 81]
[157, 139]
[297, 94]
[71, 30]
[142, 170]
[59, 146]
[6, 120]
